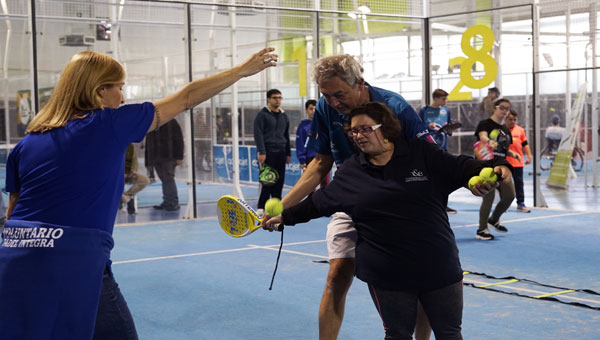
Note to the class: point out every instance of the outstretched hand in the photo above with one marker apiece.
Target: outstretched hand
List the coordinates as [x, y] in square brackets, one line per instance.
[258, 62]
[483, 188]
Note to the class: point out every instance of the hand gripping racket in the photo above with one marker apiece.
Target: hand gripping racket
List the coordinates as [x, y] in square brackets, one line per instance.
[237, 218]
[483, 151]
[448, 128]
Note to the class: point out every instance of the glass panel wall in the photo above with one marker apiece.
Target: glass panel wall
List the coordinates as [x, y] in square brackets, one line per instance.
[389, 48]
[148, 40]
[473, 52]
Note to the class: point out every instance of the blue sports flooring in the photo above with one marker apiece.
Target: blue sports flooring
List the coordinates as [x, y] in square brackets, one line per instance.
[189, 280]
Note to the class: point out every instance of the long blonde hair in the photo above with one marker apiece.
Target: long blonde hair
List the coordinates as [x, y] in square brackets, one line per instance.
[77, 91]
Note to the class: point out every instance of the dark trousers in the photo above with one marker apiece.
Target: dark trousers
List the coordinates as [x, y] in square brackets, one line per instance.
[507, 195]
[518, 179]
[277, 161]
[398, 311]
[114, 321]
[166, 173]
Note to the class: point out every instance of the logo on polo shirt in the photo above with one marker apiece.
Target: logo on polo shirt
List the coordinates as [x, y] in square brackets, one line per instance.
[30, 237]
[416, 176]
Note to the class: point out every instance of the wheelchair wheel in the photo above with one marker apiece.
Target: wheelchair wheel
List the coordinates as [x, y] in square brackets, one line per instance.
[577, 159]
[546, 158]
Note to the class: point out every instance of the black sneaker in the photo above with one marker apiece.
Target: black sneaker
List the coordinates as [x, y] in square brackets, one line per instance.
[484, 235]
[171, 207]
[131, 207]
[450, 210]
[497, 226]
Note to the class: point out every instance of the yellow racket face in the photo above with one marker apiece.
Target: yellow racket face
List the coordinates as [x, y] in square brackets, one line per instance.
[236, 217]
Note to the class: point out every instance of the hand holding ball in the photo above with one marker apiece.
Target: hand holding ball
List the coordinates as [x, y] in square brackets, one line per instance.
[488, 175]
[273, 207]
[473, 181]
[494, 134]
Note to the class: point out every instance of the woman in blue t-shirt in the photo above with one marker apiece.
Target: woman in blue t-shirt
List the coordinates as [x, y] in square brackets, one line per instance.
[65, 179]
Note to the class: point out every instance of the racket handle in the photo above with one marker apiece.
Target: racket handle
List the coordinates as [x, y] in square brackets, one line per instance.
[278, 227]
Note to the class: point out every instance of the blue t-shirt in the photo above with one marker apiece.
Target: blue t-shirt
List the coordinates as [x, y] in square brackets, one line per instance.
[327, 135]
[73, 175]
[440, 116]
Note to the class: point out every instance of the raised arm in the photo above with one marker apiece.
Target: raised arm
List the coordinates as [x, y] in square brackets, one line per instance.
[200, 90]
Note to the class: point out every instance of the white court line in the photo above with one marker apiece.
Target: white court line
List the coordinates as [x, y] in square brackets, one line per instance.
[250, 247]
[138, 224]
[527, 219]
[254, 247]
[289, 251]
[465, 279]
[184, 255]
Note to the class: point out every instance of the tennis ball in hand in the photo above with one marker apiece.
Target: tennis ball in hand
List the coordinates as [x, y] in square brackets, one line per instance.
[494, 134]
[488, 175]
[474, 180]
[273, 207]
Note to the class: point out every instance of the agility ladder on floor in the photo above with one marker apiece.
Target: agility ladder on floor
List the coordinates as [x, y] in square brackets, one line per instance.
[549, 296]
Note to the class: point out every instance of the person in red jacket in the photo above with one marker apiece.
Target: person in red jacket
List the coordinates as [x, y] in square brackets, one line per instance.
[518, 145]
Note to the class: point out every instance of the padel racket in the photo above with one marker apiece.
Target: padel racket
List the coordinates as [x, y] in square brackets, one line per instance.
[483, 151]
[268, 176]
[448, 128]
[237, 218]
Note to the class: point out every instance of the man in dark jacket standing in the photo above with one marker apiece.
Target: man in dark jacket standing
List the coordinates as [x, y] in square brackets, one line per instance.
[272, 139]
[164, 151]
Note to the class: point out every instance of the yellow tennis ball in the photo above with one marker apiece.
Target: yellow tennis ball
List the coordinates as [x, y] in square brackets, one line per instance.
[474, 180]
[488, 175]
[494, 134]
[273, 207]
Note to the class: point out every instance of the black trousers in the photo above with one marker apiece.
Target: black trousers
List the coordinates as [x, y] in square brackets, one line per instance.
[398, 311]
[277, 161]
[518, 178]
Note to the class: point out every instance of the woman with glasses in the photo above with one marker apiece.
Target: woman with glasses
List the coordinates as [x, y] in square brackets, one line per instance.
[493, 132]
[396, 190]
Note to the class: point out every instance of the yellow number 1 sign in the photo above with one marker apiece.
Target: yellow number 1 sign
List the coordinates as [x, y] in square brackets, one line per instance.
[474, 55]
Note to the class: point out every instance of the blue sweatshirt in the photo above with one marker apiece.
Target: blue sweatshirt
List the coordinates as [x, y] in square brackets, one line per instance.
[302, 152]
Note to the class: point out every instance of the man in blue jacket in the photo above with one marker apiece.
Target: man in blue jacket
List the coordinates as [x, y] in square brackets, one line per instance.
[272, 139]
[304, 154]
[341, 82]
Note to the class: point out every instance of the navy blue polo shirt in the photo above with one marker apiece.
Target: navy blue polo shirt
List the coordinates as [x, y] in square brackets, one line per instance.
[399, 209]
[73, 175]
[327, 135]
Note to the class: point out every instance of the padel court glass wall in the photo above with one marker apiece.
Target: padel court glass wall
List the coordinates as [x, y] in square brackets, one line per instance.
[538, 56]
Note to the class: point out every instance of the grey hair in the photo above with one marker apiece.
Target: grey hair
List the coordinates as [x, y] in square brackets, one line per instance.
[342, 66]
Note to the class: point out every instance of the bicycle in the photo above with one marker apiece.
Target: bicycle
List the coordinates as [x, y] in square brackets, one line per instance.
[549, 152]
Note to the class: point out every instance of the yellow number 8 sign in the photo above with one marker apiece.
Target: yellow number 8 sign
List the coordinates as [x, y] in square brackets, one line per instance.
[474, 55]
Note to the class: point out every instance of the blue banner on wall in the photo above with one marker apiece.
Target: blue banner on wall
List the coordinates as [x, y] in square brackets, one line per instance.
[249, 165]
[224, 163]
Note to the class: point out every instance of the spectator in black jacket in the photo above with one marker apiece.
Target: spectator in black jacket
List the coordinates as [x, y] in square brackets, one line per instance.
[272, 139]
[164, 151]
[396, 191]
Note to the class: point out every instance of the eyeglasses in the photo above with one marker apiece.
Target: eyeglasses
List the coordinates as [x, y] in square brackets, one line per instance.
[364, 130]
[277, 97]
[503, 108]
